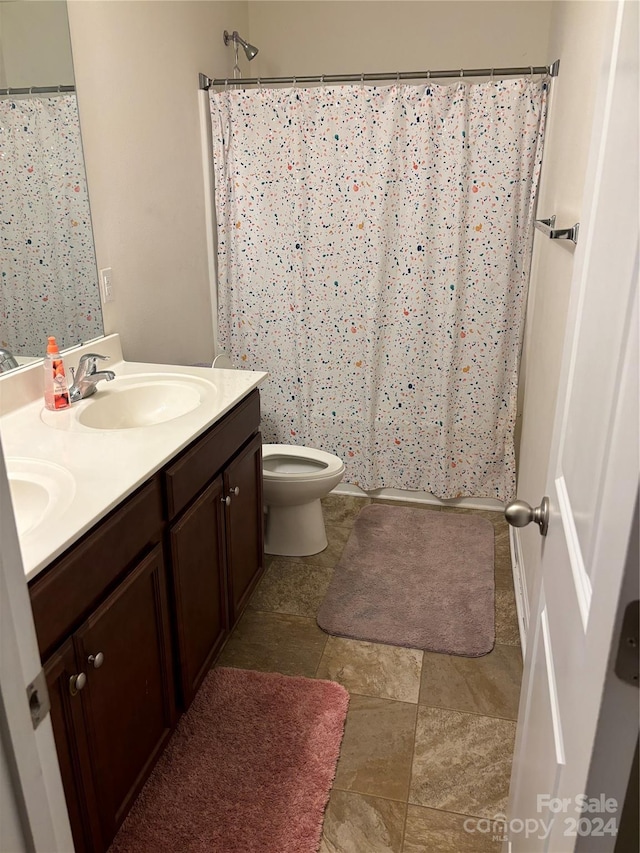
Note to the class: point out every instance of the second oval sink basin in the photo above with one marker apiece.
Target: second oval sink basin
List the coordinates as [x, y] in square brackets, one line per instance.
[133, 402]
[40, 491]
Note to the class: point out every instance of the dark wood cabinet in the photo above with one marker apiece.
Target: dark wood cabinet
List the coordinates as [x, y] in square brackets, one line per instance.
[71, 745]
[111, 688]
[199, 587]
[130, 619]
[72, 587]
[125, 649]
[244, 524]
[216, 543]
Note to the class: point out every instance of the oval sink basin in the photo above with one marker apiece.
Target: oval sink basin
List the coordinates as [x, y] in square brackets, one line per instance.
[129, 403]
[40, 491]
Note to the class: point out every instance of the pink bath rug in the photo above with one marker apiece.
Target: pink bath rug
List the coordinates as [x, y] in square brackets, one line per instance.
[248, 769]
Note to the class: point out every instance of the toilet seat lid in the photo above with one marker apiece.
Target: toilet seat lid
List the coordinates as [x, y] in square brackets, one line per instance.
[288, 461]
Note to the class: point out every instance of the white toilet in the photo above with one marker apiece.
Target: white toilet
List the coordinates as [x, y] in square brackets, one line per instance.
[295, 478]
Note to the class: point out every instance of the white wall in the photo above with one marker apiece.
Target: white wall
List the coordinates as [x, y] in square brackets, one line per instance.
[35, 48]
[576, 37]
[137, 67]
[335, 36]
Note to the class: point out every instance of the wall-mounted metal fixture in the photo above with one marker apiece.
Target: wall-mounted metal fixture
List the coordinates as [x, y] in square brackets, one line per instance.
[249, 50]
[548, 227]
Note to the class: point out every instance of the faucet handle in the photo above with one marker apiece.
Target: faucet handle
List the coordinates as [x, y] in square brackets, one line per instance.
[94, 356]
[87, 363]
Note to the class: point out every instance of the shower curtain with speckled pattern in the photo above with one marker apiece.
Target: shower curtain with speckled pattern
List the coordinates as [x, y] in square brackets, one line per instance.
[48, 278]
[374, 246]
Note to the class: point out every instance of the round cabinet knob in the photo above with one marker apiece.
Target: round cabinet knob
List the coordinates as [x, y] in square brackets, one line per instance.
[96, 660]
[77, 683]
[235, 490]
[519, 514]
[226, 500]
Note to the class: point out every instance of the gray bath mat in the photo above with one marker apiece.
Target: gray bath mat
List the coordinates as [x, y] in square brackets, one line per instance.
[415, 578]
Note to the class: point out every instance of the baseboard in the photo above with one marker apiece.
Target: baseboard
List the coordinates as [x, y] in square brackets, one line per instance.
[519, 585]
[405, 496]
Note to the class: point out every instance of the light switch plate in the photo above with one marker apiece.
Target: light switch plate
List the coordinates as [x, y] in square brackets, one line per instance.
[106, 284]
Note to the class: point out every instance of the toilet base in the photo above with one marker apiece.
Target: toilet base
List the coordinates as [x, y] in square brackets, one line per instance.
[295, 531]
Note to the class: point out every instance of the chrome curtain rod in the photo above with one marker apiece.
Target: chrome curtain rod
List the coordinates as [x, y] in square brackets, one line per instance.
[37, 90]
[552, 70]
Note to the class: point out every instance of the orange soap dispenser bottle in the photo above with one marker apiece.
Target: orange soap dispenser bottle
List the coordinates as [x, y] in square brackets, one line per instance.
[56, 391]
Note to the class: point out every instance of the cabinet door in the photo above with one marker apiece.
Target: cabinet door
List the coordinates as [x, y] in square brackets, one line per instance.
[128, 701]
[71, 746]
[244, 524]
[198, 578]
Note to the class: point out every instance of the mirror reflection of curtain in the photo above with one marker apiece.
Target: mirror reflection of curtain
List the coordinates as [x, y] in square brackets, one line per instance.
[374, 246]
[48, 280]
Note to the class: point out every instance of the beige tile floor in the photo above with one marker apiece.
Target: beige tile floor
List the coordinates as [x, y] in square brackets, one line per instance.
[429, 738]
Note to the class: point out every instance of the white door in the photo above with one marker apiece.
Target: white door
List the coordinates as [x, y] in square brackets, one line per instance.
[592, 485]
[33, 813]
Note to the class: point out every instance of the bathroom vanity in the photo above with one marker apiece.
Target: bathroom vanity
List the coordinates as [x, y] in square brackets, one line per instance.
[131, 611]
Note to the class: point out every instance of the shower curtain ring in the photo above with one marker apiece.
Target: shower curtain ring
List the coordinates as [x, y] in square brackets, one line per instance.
[461, 73]
[531, 67]
[429, 74]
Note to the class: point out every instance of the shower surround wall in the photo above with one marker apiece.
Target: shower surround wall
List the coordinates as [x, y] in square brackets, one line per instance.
[374, 247]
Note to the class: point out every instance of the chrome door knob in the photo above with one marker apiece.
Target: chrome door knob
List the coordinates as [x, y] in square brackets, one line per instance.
[226, 500]
[77, 683]
[96, 660]
[235, 490]
[519, 514]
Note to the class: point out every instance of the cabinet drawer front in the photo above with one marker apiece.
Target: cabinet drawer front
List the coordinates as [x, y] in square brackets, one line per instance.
[193, 470]
[73, 585]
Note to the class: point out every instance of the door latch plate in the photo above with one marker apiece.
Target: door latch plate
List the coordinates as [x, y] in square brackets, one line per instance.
[627, 665]
[38, 698]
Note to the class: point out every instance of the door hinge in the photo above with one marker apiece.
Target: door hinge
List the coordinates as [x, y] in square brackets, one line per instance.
[38, 698]
[628, 661]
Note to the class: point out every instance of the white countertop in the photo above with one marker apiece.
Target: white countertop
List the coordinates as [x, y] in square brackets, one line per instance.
[105, 465]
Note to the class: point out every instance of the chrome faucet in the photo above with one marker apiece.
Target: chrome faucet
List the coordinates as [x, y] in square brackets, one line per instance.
[87, 376]
[7, 360]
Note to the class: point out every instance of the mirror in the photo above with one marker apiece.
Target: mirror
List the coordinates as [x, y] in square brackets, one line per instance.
[48, 275]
